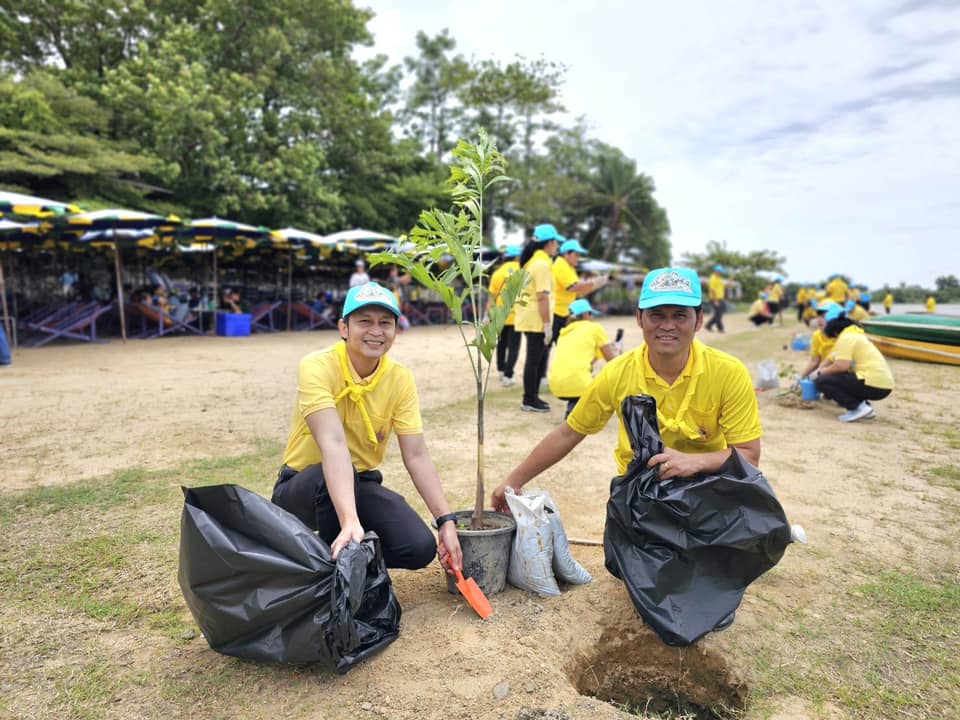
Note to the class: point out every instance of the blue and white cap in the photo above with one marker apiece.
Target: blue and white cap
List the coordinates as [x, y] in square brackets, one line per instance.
[573, 246]
[670, 286]
[581, 306]
[545, 232]
[370, 293]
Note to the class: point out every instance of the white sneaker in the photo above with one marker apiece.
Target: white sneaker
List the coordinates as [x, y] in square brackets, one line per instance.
[507, 381]
[858, 413]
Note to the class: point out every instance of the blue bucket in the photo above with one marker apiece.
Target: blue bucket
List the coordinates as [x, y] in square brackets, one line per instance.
[808, 390]
[800, 342]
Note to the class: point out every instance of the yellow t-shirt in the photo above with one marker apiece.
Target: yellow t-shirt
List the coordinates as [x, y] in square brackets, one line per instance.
[577, 347]
[865, 360]
[837, 290]
[776, 293]
[801, 296]
[888, 300]
[540, 270]
[497, 280]
[564, 276]
[820, 345]
[716, 289]
[858, 314]
[392, 405]
[722, 408]
[758, 307]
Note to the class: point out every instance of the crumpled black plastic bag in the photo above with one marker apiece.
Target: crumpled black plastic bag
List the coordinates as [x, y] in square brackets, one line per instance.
[687, 549]
[261, 585]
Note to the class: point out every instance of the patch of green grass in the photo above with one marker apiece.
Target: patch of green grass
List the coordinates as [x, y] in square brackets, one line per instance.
[86, 688]
[946, 476]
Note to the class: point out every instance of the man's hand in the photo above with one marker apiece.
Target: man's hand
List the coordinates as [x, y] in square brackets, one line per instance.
[547, 333]
[448, 548]
[352, 531]
[499, 497]
[676, 464]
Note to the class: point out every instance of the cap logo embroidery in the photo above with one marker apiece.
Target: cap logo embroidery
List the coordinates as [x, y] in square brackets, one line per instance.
[671, 282]
[372, 292]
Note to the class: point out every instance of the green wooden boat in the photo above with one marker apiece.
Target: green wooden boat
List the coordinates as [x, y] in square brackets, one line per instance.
[922, 327]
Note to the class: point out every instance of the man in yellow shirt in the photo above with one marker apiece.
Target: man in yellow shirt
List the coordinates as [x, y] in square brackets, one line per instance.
[856, 372]
[931, 304]
[508, 346]
[888, 302]
[705, 398]
[838, 290]
[716, 290]
[775, 300]
[350, 397]
[534, 313]
[581, 343]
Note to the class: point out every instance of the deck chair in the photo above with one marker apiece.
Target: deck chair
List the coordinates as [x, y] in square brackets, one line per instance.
[306, 318]
[261, 317]
[47, 314]
[157, 323]
[415, 314]
[79, 325]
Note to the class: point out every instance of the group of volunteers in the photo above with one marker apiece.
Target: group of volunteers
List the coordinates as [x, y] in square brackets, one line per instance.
[844, 364]
[351, 397]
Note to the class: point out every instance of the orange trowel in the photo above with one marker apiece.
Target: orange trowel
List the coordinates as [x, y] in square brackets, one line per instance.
[474, 595]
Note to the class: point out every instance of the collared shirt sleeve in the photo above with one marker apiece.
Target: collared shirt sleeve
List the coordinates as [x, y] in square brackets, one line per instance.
[739, 411]
[318, 382]
[406, 418]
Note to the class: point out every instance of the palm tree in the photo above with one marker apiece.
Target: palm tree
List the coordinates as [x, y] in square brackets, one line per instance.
[628, 217]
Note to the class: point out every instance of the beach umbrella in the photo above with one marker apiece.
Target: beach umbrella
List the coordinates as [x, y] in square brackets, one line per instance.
[364, 239]
[12, 236]
[114, 221]
[296, 239]
[207, 234]
[15, 204]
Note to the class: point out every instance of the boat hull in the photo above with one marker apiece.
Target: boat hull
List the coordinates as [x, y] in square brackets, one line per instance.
[937, 329]
[917, 350]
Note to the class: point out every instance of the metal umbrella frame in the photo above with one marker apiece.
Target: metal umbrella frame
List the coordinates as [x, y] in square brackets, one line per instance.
[113, 221]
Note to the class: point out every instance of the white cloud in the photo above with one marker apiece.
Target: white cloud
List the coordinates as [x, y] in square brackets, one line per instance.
[825, 131]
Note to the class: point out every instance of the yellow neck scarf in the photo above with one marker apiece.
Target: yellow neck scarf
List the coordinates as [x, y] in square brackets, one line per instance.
[678, 423]
[355, 391]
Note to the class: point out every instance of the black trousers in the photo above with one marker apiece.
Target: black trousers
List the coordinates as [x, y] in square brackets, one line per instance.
[508, 350]
[716, 320]
[847, 390]
[405, 539]
[534, 366]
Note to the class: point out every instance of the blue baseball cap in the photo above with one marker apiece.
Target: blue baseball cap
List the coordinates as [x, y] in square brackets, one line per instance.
[833, 312]
[573, 246]
[719, 268]
[512, 251]
[670, 286]
[370, 293]
[581, 306]
[545, 232]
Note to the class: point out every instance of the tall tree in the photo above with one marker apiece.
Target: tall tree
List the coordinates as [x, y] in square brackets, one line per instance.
[748, 269]
[432, 109]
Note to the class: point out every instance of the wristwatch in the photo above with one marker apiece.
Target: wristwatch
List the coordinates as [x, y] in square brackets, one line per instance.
[449, 517]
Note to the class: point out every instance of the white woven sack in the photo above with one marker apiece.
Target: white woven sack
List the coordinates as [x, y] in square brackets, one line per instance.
[531, 561]
[565, 567]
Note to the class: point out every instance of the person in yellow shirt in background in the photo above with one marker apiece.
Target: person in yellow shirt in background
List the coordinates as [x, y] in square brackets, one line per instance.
[888, 302]
[814, 297]
[759, 312]
[856, 312]
[931, 304]
[581, 342]
[856, 372]
[534, 313]
[837, 290]
[775, 298]
[705, 398]
[350, 398]
[716, 291]
[820, 345]
[801, 300]
[567, 284]
[508, 346]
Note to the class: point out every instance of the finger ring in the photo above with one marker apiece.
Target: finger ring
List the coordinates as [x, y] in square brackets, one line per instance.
[666, 464]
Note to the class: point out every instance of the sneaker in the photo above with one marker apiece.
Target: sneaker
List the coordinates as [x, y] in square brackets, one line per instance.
[858, 413]
[507, 381]
[535, 406]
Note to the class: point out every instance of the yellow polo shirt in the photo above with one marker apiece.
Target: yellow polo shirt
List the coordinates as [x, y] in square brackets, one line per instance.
[888, 300]
[392, 405]
[497, 280]
[577, 347]
[716, 288]
[865, 360]
[540, 270]
[776, 293]
[837, 290]
[722, 410]
[820, 345]
[564, 276]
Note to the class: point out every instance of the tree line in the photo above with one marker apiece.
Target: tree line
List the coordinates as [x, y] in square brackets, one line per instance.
[258, 111]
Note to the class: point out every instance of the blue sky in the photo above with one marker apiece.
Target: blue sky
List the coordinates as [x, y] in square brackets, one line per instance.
[826, 131]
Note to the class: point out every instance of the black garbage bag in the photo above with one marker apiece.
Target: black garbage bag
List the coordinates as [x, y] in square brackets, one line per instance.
[688, 548]
[261, 585]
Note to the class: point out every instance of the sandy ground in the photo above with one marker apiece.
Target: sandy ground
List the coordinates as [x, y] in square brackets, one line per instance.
[81, 411]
